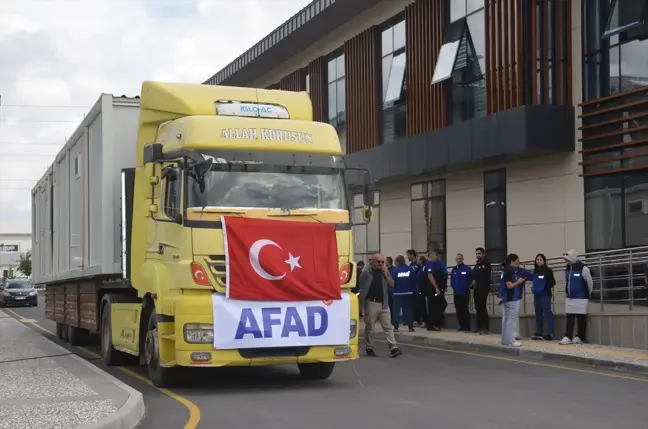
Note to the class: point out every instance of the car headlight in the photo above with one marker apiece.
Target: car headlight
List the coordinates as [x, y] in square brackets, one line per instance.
[199, 333]
[32, 293]
[354, 329]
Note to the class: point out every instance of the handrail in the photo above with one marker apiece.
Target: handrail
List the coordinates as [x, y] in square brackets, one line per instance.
[618, 281]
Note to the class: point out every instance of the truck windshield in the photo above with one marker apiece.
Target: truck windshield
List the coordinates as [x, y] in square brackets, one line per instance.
[267, 186]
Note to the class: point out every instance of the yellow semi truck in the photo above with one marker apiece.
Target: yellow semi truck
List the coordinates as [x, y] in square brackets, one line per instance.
[128, 222]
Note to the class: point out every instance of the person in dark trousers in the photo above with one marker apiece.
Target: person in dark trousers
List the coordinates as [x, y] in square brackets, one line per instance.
[436, 274]
[375, 282]
[578, 287]
[542, 290]
[481, 283]
[460, 281]
[420, 307]
[404, 280]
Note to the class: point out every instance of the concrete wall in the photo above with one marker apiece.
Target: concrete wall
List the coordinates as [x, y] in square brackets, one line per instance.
[374, 16]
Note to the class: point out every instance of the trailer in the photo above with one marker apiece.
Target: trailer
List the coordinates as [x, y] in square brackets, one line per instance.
[79, 219]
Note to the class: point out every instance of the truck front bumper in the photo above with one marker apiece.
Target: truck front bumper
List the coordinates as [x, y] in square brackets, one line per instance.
[197, 309]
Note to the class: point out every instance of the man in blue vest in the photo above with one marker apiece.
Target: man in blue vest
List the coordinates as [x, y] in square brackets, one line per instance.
[460, 280]
[437, 275]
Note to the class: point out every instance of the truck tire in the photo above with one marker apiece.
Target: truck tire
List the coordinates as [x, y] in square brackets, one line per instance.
[316, 371]
[159, 375]
[109, 355]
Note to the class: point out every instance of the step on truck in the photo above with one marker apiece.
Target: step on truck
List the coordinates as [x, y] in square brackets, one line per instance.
[129, 236]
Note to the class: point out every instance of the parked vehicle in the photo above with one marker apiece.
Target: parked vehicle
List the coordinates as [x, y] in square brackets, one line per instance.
[18, 293]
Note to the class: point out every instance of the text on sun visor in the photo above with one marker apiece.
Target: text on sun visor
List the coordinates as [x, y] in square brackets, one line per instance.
[272, 134]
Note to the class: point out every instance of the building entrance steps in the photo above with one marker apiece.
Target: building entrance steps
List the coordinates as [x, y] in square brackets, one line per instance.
[44, 386]
[607, 357]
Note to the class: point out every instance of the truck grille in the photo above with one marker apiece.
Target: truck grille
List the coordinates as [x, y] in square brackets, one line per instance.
[216, 265]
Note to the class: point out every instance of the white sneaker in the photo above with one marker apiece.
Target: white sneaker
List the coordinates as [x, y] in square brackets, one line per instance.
[577, 341]
[516, 344]
[565, 341]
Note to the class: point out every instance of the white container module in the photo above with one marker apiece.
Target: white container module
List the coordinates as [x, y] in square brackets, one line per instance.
[76, 205]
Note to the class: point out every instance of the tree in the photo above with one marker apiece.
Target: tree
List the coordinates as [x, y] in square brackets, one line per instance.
[25, 264]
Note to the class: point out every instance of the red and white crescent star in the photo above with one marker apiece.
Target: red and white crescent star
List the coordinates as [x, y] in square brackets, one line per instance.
[255, 250]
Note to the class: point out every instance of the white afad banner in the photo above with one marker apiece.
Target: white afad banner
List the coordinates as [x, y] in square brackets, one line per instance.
[250, 324]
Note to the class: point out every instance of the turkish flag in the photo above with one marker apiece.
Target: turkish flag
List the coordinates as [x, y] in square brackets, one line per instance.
[273, 260]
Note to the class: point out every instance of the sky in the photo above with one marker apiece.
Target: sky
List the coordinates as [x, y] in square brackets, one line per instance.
[58, 56]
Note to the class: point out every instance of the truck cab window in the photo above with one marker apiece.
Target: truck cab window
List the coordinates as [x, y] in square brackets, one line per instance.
[172, 195]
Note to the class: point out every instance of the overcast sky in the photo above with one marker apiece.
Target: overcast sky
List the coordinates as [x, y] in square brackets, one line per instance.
[67, 52]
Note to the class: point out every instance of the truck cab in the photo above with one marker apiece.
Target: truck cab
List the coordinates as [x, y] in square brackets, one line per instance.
[205, 153]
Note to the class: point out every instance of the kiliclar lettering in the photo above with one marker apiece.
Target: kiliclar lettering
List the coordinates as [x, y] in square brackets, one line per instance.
[289, 323]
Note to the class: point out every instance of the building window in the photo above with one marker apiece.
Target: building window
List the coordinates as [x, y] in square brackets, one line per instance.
[337, 97]
[616, 211]
[429, 216]
[615, 47]
[366, 237]
[495, 237]
[462, 60]
[393, 82]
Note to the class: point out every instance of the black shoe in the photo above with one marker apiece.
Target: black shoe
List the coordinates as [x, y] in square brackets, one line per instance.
[412, 330]
[370, 352]
[395, 352]
[483, 332]
[395, 329]
[536, 336]
[547, 337]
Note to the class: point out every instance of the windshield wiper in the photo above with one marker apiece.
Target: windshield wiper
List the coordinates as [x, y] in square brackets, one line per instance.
[287, 213]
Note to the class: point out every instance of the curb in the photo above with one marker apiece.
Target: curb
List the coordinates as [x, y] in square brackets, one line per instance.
[129, 415]
[521, 352]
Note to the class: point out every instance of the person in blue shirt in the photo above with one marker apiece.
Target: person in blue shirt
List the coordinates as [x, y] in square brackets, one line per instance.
[460, 280]
[543, 283]
[404, 281]
[420, 308]
[510, 293]
[436, 275]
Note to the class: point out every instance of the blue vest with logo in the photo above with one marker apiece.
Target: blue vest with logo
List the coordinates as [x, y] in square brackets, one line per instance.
[507, 294]
[575, 285]
[539, 285]
[460, 278]
[404, 279]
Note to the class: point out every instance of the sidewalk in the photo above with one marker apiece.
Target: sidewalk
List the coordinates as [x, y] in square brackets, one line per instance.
[44, 386]
[607, 357]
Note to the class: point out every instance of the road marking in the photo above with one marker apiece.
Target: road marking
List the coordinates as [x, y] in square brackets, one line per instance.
[194, 411]
[526, 362]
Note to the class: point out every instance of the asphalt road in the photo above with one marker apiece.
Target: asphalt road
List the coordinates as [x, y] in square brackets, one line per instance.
[425, 388]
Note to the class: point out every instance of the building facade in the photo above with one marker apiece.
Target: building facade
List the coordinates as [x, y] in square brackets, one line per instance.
[495, 123]
[11, 247]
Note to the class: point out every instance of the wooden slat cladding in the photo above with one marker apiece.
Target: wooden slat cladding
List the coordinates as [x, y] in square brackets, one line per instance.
[615, 133]
[426, 103]
[504, 54]
[362, 91]
[295, 81]
[317, 84]
[517, 30]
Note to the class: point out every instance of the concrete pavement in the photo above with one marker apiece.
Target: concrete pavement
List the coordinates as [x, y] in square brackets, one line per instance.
[608, 357]
[44, 386]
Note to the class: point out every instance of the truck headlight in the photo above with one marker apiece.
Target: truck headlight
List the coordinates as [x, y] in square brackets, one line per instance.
[198, 333]
[354, 329]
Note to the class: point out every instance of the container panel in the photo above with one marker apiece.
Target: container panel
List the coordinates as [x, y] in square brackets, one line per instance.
[94, 198]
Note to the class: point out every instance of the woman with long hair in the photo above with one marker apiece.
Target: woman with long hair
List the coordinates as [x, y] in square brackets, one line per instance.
[542, 288]
[510, 292]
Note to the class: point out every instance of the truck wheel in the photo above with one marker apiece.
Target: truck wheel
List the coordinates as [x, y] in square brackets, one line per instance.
[109, 355]
[159, 375]
[316, 371]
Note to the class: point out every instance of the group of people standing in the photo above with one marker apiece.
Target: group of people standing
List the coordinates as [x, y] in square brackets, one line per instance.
[414, 291]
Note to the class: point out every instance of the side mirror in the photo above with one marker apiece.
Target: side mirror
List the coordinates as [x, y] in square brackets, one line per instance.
[368, 194]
